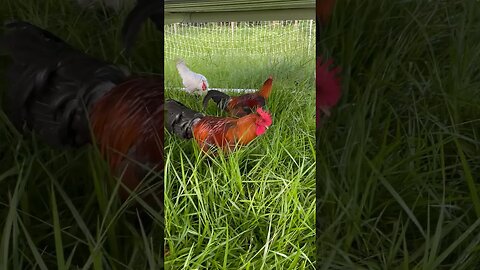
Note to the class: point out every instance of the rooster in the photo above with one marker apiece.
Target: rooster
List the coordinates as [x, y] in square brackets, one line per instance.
[240, 105]
[328, 87]
[58, 92]
[215, 132]
[193, 82]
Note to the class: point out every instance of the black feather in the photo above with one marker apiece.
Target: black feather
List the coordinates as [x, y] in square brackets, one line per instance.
[218, 97]
[144, 9]
[180, 119]
[52, 85]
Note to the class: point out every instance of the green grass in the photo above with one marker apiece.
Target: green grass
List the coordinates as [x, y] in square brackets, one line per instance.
[398, 165]
[254, 208]
[251, 210]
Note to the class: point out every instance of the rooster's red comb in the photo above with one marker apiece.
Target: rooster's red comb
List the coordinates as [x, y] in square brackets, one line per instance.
[265, 116]
[328, 86]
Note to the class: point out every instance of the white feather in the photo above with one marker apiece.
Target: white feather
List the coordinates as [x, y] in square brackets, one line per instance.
[191, 81]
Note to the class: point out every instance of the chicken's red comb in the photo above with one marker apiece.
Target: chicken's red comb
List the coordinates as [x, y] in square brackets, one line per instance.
[265, 116]
[328, 86]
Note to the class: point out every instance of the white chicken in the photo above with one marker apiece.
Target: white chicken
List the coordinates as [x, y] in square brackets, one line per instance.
[193, 82]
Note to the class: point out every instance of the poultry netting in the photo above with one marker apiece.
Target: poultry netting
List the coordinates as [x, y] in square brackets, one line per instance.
[262, 43]
[246, 39]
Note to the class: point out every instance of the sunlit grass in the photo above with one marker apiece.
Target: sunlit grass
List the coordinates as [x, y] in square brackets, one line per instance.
[253, 208]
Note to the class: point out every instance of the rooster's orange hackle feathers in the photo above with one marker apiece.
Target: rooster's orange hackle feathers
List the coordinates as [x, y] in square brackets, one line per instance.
[128, 125]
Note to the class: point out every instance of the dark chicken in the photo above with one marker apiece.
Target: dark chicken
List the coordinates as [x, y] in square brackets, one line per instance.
[215, 132]
[57, 92]
[240, 105]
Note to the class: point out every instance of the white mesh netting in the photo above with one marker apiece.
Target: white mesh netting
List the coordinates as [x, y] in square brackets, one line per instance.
[247, 39]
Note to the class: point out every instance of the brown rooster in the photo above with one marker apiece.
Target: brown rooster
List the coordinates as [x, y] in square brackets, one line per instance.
[240, 105]
[57, 91]
[215, 132]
